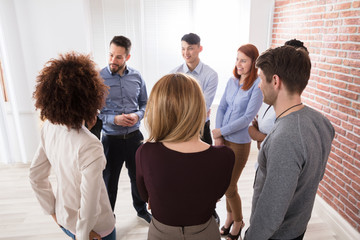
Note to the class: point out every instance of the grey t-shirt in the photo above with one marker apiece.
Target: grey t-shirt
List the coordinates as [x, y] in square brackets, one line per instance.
[292, 162]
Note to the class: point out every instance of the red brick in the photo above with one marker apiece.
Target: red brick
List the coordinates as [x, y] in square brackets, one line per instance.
[348, 94]
[351, 46]
[324, 66]
[347, 218]
[328, 23]
[347, 126]
[341, 69]
[352, 21]
[347, 30]
[354, 88]
[343, 155]
[353, 138]
[352, 200]
[356, 4]
[352, 13]
[330, 74]
[326, 109]
[335, 144]
[352, 215]
[340, 131]
[324, 87]
[331, 15]
[347, 150]
[314, 17]
[342, 6]
[341, 100]
[333, 120]
[351, 63]
[344, 178]
[339, 84]
[347, 142]
[356, 105]
[334, 60]
[343, 77]
[324, 81]
[333, 105]
[343, 38]
[340, 189]
[342, 54]
[355, 55]
[338, 22]
[357, 132]
[332, 45]
[332, 30]
[355, 72]
[330, 53]
[321, 73]
[353, 177]
[315, 44]
[320, 102]
[335, 91]
[356, 80]
[355, 121]
[354, 38]
[348, 204]
[347, 110]
[331, 189]
[353, 170]
[339, 204]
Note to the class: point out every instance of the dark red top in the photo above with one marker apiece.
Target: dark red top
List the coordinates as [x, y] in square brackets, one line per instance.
[183, 188]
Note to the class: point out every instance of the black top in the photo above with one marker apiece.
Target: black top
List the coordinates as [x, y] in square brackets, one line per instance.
[183, 188]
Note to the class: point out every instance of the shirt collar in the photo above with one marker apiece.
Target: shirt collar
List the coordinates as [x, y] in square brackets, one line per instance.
[197, 70]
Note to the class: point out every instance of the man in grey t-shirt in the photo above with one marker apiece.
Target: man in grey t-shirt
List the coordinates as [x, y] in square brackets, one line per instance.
[293, 156]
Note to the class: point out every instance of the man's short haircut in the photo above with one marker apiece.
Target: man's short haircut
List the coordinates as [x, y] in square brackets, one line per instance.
[191, 39]
[122, 41]
[296, 43]
[176, 109]
[292, 65]
[69, 90]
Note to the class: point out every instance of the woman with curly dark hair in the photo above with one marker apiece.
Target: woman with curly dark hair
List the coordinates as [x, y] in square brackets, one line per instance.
[69, 93]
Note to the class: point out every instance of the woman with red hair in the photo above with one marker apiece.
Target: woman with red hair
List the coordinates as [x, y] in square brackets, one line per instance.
[238, 107]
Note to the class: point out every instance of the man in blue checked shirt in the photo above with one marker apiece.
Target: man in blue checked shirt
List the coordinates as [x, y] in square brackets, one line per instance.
[121, 116]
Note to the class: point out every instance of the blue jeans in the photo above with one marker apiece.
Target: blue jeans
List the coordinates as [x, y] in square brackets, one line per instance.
[111, 236]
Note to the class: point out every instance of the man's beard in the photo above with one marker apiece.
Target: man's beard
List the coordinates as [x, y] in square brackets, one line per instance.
[115, 68]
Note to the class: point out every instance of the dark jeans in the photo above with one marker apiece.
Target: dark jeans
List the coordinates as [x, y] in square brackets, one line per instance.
[118, 151]
[207, 134]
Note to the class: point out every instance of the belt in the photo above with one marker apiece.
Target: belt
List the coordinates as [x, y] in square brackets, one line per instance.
[124, 136]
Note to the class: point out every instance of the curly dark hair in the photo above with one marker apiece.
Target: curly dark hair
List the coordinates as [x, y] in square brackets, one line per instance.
[69, 90]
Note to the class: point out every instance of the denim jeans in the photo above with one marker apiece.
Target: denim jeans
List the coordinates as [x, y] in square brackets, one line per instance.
[111, 236]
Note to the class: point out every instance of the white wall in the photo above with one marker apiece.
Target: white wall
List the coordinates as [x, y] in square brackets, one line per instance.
[261, 16]
[33, 31]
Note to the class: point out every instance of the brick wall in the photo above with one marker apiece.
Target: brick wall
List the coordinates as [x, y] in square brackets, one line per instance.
[330, 30]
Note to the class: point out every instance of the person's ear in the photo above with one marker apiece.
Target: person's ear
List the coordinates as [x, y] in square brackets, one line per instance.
[201, 48]
[276, 81]
[128, 57]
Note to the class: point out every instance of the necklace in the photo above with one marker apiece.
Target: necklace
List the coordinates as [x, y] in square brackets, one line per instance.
[287, 110]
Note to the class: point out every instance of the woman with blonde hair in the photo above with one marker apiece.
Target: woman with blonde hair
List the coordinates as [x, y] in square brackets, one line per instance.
[239, 105]
[175, 169]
